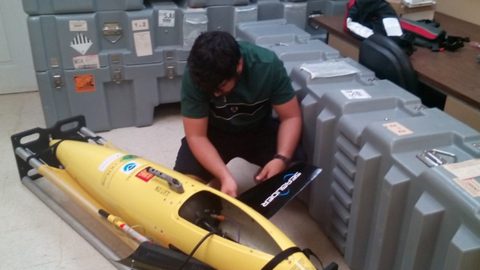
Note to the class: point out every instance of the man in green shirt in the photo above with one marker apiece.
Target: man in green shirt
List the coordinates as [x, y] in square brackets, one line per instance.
[228, 91]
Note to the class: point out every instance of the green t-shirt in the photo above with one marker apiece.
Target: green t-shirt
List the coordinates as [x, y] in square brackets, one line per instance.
[264, 82]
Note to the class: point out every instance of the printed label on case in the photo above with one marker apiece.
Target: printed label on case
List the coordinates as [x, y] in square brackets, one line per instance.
[464, 170]
[356, 94]
[143, 43]
[86, 62]
[81, 43]
[139, 25]
[78, 26]
[166, 18]
[470, 185]
[398, 129]
[84, 83]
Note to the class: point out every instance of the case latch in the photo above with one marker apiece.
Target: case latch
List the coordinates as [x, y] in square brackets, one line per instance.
[435, 157]
[57, 81]
[112, 32]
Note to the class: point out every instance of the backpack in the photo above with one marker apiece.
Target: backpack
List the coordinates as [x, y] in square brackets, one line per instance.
[429, 34]
[364, 18]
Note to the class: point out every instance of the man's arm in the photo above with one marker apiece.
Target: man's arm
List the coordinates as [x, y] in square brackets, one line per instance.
[207, 155]
[288, 136]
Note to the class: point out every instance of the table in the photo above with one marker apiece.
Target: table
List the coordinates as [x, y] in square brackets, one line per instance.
[456, 74]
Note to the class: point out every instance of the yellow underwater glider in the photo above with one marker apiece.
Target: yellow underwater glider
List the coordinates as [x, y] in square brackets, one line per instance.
[171, 220]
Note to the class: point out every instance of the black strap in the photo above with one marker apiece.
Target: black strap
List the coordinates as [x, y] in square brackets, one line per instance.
[308, 252]
[280, 257]
[94, 138]
[452, 43]
[52, 149]
[185, 263]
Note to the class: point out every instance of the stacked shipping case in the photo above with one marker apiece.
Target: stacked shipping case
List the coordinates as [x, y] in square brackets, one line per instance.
[376, 205]
[114, 61]
[381, 198]
[104, 61]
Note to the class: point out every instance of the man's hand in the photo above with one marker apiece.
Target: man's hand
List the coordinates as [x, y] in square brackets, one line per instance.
[229, 186]
[207, 154]
[273, 167]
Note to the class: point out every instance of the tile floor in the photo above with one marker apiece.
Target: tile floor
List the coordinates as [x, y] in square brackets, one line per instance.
[34, 237]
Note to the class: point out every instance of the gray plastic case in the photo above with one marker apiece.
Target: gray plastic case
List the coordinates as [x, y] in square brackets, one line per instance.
[443, 231]
[134, 61]
[335, 7]
[407, 213]
[211, 3]
[324, 107]
[304, 81]
[140, 55]
[271, 32]
[296, 13]
[195, 21]
[119, 95]
[270, 10]
[106, 104]
[294, 55]
[87, 40]
[168, 24]
[44, 7]
[293, 13]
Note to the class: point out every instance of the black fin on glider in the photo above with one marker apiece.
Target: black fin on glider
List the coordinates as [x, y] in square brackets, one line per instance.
[272, 194]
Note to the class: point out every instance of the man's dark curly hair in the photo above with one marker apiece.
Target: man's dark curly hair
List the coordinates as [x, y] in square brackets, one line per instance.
[213, 59]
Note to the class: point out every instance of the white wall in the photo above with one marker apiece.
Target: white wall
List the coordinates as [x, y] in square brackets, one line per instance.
[467, 10]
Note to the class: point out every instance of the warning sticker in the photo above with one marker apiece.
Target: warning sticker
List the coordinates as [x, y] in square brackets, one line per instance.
[129, 167]
[86, 62]
[81, 43]
[144, 175]
[104, 165]
[139, 25]
[398, 129]
[356, 94]
[166, 18]
[78, 26]
[143, 43]
[464, 170]
[470, 185]
[84, 83]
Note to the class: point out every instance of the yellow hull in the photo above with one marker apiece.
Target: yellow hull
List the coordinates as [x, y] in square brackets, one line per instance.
[121, 184]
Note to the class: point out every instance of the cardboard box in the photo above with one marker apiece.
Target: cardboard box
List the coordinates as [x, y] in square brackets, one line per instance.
[418, 3]
[422, 12]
